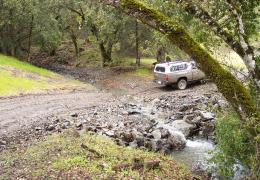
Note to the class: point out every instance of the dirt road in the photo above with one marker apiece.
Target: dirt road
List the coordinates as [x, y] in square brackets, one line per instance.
[19, 112]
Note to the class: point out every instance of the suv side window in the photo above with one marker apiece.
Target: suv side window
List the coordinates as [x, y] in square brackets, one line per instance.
[179, 67]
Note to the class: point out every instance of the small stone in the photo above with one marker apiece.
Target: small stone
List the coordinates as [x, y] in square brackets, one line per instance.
[140, 141]
[134, 112]
[74, 115]
[133, 144]
[186, 107]
[165, 133]
[157, 134]
[79, 125]
[223, 104]
[188, 118]
[50, 128]
[110, 133]
[65, 125]
[127, 136]
[2, 142]
[91, 128]
[124, 113]
[38, 128]
[196, 120]
[207, 115]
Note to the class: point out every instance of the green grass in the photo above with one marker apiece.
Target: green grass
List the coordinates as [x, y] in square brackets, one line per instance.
[11, 85]
[143, 72]
[62, 156]
[17, 77]
[14, 63]
[146, 62]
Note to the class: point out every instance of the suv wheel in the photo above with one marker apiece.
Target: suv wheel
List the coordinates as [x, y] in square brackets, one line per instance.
[182, 84]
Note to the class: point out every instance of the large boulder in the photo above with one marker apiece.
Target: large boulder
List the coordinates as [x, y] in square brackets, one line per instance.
[176, 141]
[182, 126]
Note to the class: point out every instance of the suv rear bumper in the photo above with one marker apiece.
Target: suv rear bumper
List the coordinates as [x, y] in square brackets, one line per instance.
[160, 82]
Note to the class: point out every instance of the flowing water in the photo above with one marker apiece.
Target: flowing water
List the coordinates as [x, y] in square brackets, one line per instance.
[195, 153]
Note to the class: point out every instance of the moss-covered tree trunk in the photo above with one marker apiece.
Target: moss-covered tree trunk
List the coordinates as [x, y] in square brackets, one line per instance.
[227, 84]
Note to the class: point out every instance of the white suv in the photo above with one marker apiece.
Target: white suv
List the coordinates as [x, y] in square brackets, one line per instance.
[179, 72]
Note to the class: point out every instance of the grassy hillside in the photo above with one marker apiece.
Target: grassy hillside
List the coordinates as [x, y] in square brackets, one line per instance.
[87, 157]
[17, 77]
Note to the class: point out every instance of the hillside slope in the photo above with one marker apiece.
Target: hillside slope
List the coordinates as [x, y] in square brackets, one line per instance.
[17, 77]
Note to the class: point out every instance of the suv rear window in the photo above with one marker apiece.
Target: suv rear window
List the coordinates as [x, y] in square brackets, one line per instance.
[160, 69]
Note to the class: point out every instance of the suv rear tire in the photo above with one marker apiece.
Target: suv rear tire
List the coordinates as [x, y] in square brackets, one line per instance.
[182, 84]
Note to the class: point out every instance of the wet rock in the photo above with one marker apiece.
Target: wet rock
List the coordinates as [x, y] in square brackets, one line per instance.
[206, 115]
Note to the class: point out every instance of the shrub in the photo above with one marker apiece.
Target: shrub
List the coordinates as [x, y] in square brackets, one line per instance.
[234, 146]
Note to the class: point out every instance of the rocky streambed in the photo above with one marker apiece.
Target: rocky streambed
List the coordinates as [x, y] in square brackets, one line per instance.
[167, 123]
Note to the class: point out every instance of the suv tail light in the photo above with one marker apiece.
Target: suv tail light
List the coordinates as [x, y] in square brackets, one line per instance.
[166, 77]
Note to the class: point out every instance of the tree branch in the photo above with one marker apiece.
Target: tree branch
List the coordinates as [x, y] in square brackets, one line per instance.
[227, 84]
[242, 48]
